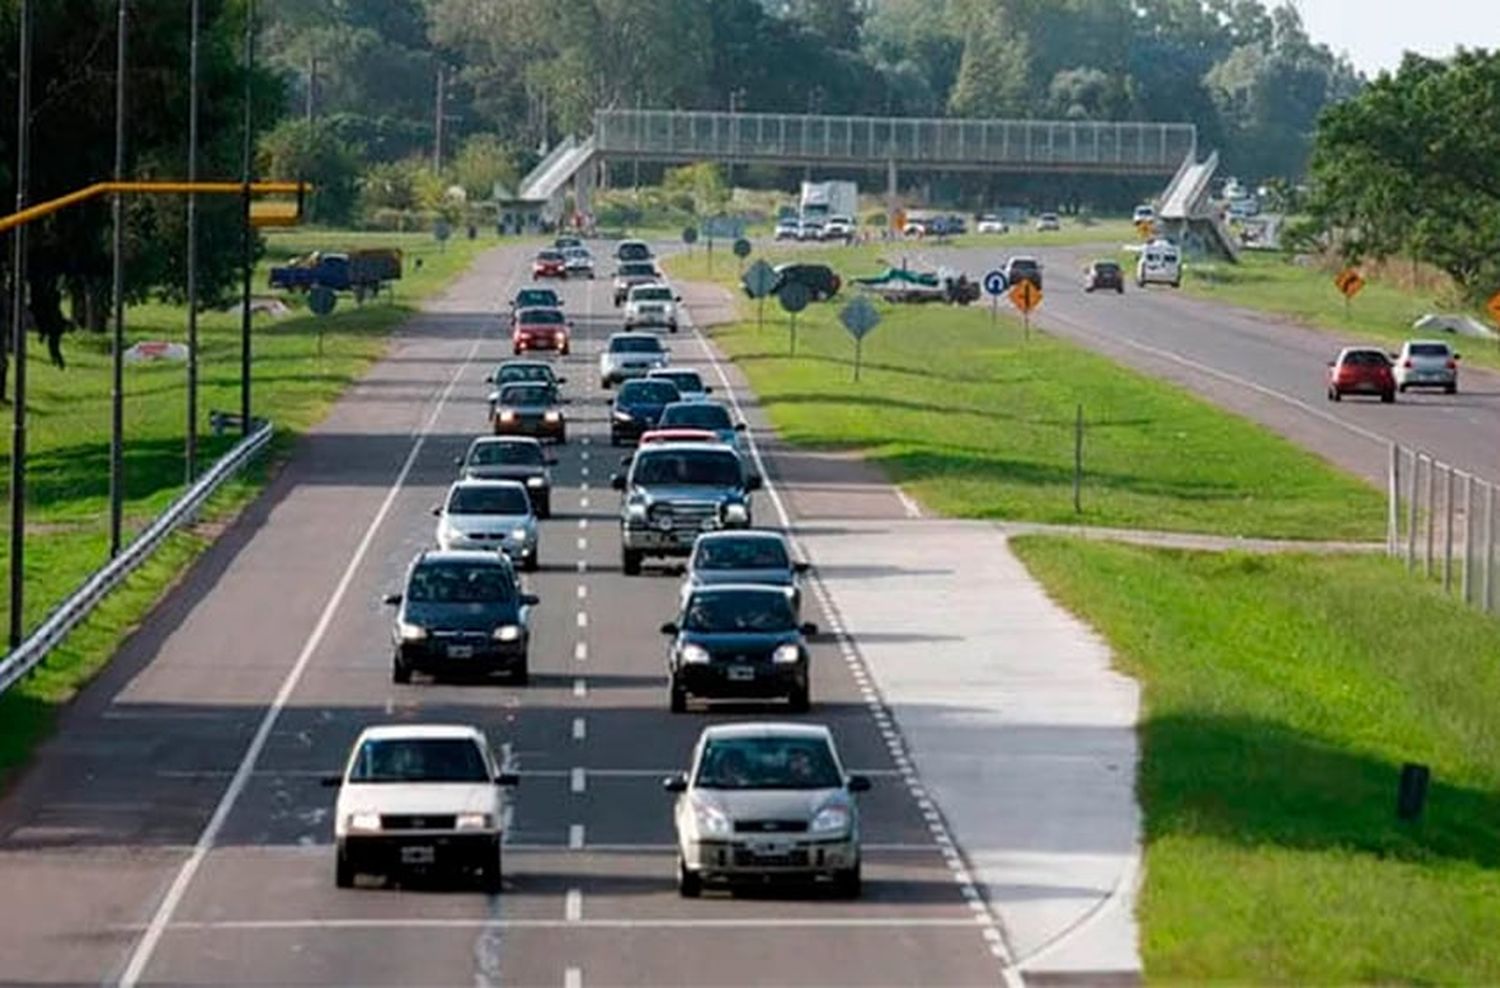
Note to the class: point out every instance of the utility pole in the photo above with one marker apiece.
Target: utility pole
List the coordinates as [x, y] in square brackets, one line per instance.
[117, 387]
[247, 241]
[190, 454]
[18, 338]
[310, 110]
[438, 115]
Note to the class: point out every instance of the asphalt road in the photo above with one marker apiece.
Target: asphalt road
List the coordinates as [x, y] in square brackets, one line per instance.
[174, 832]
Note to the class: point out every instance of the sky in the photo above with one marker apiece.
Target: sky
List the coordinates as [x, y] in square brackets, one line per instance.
[1374, 33]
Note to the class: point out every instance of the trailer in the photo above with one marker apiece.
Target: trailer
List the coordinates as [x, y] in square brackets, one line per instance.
[362, 272]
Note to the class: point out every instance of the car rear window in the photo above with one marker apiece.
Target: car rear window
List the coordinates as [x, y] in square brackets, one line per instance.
[635, 344]
[653, 390]
[684, 380]
[652, 294]
[528, 297]
[486, 500]
[741, 553]
[1428, 349]
[637, 269]
[523, 372]
[1366, 358]
[521, 454]
[633, 252]
[696, 416]
[542, 317]
[526, 394]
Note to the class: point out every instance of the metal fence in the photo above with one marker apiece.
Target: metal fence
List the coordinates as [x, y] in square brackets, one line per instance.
[83, 600]
[1442, 520]
[1061, 145]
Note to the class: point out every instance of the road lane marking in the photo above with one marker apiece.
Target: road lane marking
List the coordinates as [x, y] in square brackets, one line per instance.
[911, 507]
[584, 455]
[573, 905]
[581, 652]
[583, 502]
[583, 471]
[580, 729]
[583, 523]
[583, 543]
[583, 486]
[573, 978]
[664, 923]
[575, 837]
[583, 591]
[583, 565]
[579, 780]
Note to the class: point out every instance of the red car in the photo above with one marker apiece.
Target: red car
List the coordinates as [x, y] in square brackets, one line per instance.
[549, 264]
[1361, 370]
[539, 329]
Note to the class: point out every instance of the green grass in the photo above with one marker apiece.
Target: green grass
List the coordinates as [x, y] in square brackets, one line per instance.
[978, 422]
[1072, 234]
[68, 447]
[1281, 697]
[1383, 312]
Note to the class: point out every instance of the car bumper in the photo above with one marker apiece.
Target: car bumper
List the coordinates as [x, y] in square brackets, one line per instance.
[626, 372]
[728, 680]
[631, 431]
[387, 853]
[650, 319]
[538, 430]
[1427, 379]
[435, 657]
[794, 858]
[514, 548]
[532, 343]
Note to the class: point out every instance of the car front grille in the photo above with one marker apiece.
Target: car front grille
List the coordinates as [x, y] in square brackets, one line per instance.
[407, 821]
[744, 857]
[770, 826]
[688, 516]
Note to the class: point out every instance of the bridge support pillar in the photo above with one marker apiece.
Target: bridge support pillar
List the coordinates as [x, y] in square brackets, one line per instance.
[892, 191]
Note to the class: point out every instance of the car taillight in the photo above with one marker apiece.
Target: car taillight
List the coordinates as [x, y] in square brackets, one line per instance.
[562, 337]
[1406, 363]
[1452, 364]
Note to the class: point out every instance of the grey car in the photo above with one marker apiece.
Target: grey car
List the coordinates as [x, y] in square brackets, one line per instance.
[766, 801]
[757, 556]
[518, 458]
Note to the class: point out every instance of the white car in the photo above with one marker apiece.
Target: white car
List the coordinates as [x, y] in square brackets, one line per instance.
[419, 797]
[786, 229]
[745, 776]
[1427, 364]
[489, 514]
[839, 228]
[1048, 223]
[990, 223]
[628, 355]
[1160, 263]
[810, 230]
[651, 305]
[689, 383]
[1143, 214]
[579, 262]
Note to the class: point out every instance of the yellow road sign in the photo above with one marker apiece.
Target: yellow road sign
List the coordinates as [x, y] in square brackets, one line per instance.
[1494, 306]
[1349, 282]
[1025, 296]
[898, 220]
[1146, 229]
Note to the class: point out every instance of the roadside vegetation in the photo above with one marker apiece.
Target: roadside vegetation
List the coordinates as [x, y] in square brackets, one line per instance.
[978, 422]
[1282, 695]
[68, 447]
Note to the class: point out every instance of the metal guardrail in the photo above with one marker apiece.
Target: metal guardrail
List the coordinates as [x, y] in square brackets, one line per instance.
[83, 600]
[1059, 145]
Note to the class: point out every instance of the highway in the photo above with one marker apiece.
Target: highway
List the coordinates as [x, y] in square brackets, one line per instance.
[174, 830]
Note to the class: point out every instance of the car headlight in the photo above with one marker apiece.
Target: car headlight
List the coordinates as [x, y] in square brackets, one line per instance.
[736, 514]
[622, 416]
[473, 821]
[367, 822]
[712, 821]
[694, 655]
[519, 534]
[786, 654]
[411, 632]
[830, 820]
[553, 416]
[536, 481]
[635, 512]
[508, 633]
[508, 416]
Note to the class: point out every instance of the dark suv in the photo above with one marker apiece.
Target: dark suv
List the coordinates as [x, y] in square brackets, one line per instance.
[822, 282]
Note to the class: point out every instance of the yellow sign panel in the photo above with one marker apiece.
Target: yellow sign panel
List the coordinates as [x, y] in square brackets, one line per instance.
[1025, 296]
[1349, 282]
[1146, 229]
[1494, 306]
[272, 213]
[898, 220]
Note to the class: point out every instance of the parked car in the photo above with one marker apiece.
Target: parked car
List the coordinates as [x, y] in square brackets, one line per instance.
[549, 263]
[530, 409]
[787, 228]
[1361, 370]
[738, 641]
[461, 613]
[493, 515]
[991, 223]
[675, 491]
[1160, 263]
[839, 228]
[637, 407]
[518, 458]
[821, 280]
[632, 273]
[579, 262]
[766, 801]
[539, 329]
[1105, 276]
[628, 355]
[362, 272]
[1048, 223]
[633, 250]
[810, 229]
[688, 381]
[651, 305]
[1427, 364]
[419, 797]
[1021, 268]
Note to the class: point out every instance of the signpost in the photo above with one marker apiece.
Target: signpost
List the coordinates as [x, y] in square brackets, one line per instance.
[742, 251]
[321, 300]
[859, 318]
[794, 298]
[994, 286]
[1025, 296]
[1349, 284]
[759, 281]
[690, 237]
[442, 231]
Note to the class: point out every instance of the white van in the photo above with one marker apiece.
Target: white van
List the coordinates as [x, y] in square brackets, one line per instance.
[1160, 264]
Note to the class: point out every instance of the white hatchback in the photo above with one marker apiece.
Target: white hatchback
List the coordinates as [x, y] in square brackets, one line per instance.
[1427, 364]
[1160, 264]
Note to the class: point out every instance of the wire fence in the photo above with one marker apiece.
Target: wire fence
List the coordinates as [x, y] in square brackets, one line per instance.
[1441, 521]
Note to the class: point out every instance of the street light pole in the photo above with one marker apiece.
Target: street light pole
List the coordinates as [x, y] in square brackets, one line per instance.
[437, 144]
[190, 454]
[117, 378]
[247, 242]
[18, 338]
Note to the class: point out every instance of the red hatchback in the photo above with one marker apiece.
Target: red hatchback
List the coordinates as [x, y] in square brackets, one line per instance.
[1361, 370]
[549, 264]
[539, 329]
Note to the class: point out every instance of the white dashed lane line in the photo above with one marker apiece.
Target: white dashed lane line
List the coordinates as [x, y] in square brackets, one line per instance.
[573, 905]
[583, 544]
[583, 619]
[578, 780]
[580, 688]
[580, 729]
[583, 591]
[581, 652]
[573, 978]
[575, 837]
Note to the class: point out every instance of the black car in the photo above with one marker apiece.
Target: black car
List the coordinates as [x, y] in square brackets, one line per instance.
[638, 406]
[738, 641]
[518, 458]
[822, 282]
[1019, 269]
[529, 409]
[462, 613]
[521, 371]
[1104, 276]
[536, 298]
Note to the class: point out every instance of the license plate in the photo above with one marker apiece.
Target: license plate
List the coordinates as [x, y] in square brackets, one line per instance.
[741, 674]
[460, 651]
[768, 848]
[417, 855]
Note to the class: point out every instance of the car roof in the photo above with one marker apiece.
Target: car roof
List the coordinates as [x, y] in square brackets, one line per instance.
[701, 404]
[691, 447]
[389, 732]
[760, 588]
[741, 534]
[766, 729]
[486, 482]
[648, 284]
[504, 440]
[527, 363]
[683, 435]
[463, 556]
[673, 371]
[1428, 343]
[1346, 351]
[634, 336]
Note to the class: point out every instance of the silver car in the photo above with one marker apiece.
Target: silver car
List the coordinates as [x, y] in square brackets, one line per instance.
[1426, 364]
[689, 382]
[756, 555]
[766, 801]
[628, 355]
[579, 262]
[489, 514]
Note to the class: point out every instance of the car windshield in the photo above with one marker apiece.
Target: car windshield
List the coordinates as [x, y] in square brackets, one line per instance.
[524, 372]
[419, 760]
[1366, 358]
[652, 391]
[526, 394]
[472, 499]
[739, 611]
[768, 763]
[1428, 349]
[635, 344]
[545, 317]
[652, 294]
[550, 255]
[460, 583]
[528, 297]
[697, 416]
[509, 454]
[637, 269]
[684, 380]
[688, 467]
[1021, 265]
[730, 553]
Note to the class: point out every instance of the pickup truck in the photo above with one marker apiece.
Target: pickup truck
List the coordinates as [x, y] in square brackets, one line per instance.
[675, 491]
[363, 272]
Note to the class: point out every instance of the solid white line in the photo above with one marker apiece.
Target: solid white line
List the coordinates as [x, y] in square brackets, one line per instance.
[573, 906]
[146, 947]
[573, 978]
[575, 837]
[580, 729]
[579, 780]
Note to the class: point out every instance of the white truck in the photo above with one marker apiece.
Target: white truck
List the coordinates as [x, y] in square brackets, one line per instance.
[824, 202]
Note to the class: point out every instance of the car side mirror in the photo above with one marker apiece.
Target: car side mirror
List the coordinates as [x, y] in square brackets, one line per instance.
[563, 380]
[617, 482]
[859, 783]
[670, 628]
[740, 427]
[801, 567]
[458, 461]
[489, 379]
[809, 629]
[675, 783]
[331, 781]
[391, 599]
[530, 599]
[507, 779]
[753, 483]
[551, 461]
[437, 510]
[708, 389]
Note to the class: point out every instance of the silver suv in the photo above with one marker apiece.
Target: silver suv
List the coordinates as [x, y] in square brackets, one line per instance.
[673, 492]
[630, 355]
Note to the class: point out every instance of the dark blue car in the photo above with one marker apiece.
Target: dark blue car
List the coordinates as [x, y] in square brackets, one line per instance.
[638, 407]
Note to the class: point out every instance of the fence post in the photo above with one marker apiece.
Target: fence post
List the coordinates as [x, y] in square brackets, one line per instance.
[1393, 502]
[1411, 513]
[1431, 516]
[1466, 584]
[1078, 462]
[1447, 527]
[1489, 548]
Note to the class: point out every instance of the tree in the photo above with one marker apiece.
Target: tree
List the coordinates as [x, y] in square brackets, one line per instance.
[702, 183]
[296, 150]
[993, 73]
[836, 22]
[481, 164]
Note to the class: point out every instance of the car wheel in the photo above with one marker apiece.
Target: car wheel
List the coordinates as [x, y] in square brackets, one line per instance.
[1401, 388]
[343, 871]
[630, 562]
[1120, 290]
[847, 883]
[530, 563]
[677, 698]
[521, 674]
[400, 672]
[604, 383]
[800, 700]
[689, 882]
[673, 327]
[490, 875]
[1451, 389]
[1388, 398]
[1335, 395]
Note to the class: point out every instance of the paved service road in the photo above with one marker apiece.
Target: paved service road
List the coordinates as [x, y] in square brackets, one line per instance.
[174, 831]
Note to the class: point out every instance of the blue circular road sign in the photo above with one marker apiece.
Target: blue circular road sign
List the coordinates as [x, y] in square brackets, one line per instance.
[994, 282]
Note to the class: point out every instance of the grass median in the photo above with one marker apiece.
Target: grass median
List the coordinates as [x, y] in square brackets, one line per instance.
[1281, 697]
[301, 365]
[977, 421]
